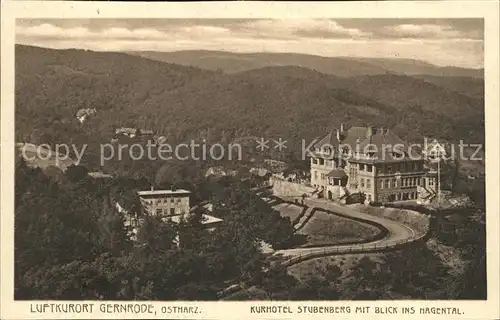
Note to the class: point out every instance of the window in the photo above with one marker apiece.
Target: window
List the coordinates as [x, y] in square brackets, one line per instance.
[172, 200]
[178, 200]
[389, 169]
[316, 175]
[387, 184]
[381, 184]
[172, 211]
[322, 176]
[314, 160]
[394, 183]
[368, 183]
[159, 211]
[321, 161]
[362, 182]
[370, 168]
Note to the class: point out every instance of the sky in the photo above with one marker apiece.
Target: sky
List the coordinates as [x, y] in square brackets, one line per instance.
[443, 42]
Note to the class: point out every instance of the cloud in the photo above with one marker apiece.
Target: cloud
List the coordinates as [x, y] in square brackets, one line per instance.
[442, 42]
[310, 28]
[50, 31]
[430, 31]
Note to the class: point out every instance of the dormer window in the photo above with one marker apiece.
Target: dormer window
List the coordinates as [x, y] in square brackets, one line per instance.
[327, 150]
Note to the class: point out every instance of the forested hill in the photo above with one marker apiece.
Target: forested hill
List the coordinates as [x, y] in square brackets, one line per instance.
[231, 62]
[183, 102]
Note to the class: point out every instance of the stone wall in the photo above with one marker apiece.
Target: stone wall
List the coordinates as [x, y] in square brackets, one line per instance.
[283, 188]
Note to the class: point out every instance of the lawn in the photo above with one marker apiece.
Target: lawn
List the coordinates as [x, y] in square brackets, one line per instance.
[417, 221]
[289, 210]
[325, 229]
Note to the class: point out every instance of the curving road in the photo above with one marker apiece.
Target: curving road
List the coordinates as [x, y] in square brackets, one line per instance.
[398, 234]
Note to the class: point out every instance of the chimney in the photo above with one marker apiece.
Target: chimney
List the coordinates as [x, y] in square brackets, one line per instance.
[338, 134]
[341, 127]
[152, 188]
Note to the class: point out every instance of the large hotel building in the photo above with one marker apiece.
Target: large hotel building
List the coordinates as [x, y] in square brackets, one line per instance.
[369, 160]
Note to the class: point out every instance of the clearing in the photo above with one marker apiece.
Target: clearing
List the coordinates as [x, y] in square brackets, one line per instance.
[329, 229]
[287, 209]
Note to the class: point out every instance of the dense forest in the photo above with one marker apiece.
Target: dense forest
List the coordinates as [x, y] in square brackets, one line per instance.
[71, 243]
[183, 103]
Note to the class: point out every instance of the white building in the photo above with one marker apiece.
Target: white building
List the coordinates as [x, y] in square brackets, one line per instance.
[165, 202]
[172, 205]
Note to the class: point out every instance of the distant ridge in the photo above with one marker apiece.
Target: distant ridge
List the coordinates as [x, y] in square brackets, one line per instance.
[230, 62]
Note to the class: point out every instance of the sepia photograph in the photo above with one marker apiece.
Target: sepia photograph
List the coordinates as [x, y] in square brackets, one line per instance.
[249, 159]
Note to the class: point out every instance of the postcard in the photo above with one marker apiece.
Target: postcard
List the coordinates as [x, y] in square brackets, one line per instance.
[250, 160]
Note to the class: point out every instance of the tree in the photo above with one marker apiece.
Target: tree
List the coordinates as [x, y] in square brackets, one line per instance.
[76, 173]
[157, 236]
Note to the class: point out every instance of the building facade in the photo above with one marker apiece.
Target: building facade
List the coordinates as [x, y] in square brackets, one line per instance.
[372, 161]
[165, 202]
[173, 205]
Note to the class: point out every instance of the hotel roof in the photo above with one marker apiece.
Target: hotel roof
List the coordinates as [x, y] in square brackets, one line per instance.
[349, 137]
[386, 146]
[162, 192]
[378, 140]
